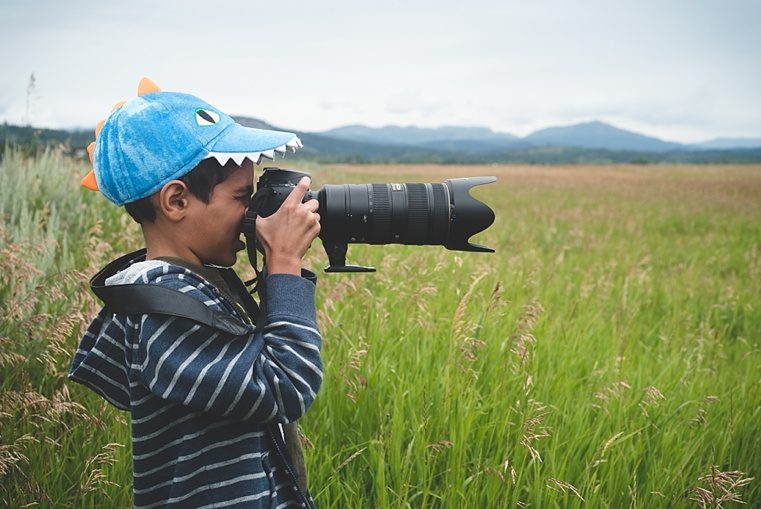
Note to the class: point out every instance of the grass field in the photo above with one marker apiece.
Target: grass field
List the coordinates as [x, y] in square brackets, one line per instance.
[607, 355]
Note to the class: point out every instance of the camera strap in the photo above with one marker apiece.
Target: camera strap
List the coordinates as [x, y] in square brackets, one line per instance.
[132, 299]
[249, 231]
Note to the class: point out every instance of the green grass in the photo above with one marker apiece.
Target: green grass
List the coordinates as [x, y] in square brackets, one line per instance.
[606, 356]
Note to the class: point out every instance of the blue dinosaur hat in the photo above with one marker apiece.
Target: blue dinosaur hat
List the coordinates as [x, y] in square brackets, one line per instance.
[159, 136]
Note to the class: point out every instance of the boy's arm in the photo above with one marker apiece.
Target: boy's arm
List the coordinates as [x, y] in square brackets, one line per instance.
[272, 375]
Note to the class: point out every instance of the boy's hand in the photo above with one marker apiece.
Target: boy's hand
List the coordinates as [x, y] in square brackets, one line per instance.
[286, 235]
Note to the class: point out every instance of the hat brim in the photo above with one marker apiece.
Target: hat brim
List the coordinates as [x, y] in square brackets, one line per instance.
[239, 143]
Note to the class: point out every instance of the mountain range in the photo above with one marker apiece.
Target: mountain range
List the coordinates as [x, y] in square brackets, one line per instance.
[586, 142]
[592, 135]
[593, 141]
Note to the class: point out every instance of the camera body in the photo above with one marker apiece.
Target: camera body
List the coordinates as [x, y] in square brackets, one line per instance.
[415, 213]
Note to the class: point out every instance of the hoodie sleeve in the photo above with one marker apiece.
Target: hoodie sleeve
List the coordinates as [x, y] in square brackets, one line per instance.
[270, 375]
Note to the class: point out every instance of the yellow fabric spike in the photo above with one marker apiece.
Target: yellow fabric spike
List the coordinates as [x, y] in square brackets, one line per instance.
[117, 106]
[98, 127]
[90, 151]
[147, 86]
[89, 181]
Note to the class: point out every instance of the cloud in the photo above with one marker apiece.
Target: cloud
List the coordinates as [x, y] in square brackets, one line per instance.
[412, 103]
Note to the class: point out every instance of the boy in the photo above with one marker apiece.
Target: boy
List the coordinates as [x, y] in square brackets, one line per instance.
[206, 396]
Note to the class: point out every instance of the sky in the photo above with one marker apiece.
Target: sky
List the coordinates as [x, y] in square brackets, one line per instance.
[680, 70]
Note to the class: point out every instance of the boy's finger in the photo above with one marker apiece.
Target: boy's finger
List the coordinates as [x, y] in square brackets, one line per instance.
[298, 193]
[312, 205]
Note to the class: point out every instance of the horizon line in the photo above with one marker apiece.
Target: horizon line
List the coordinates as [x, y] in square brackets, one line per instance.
[443, 126]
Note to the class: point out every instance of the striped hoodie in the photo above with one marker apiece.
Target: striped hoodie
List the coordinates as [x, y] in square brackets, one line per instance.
[205, 404]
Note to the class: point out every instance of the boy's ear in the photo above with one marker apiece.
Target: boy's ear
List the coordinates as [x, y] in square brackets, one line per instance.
[173, 200]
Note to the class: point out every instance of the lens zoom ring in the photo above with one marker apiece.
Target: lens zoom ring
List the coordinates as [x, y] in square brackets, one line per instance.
[417, 218]
[381, 214]
[440, 219]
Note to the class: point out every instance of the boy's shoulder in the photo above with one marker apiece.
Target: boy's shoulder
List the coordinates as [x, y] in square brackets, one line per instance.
[160, 272]
[134, 269]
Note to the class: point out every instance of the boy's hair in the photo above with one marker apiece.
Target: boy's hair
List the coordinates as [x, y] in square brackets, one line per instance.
[201, 182]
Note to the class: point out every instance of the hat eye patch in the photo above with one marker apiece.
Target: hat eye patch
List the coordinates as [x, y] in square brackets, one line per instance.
[206, 117]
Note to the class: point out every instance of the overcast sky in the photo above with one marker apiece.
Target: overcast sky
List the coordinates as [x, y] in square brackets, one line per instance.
[681, 70]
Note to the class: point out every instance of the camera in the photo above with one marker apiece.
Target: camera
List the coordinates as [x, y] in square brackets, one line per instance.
[414, 213]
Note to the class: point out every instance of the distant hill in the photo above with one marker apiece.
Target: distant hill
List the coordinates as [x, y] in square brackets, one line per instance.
[729, 143]
[78, 138]
[598, 135]
[418, 136]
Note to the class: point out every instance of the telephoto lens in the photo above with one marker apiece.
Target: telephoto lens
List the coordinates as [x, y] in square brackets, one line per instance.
[414, 213]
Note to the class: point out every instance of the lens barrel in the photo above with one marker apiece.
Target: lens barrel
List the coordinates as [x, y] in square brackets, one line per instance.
[414, 213]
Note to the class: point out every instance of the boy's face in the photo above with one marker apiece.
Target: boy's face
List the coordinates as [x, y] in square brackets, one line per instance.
[216, 226]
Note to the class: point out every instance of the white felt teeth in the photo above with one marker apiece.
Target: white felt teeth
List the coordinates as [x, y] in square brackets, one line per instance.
[238, 158]
[256, 157]
[223, 157]
[294, 144]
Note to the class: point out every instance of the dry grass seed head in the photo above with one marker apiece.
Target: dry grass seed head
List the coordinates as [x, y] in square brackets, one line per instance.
[720, 487]
[353, 377]
[611, 392]
[351, 458]
[11, 455]
[459, 324]
[534, 429]
[36, 408]
[56, 355]
[462, 329]
[557, 484]
[440, 445]
[93, 475]
[600, 456]
[97, 249]
[507, 466]
[8, 357]
[700, 418]
[495, 472]
[523, 340]
[304, 439]
[11, 458]
[652, 397]
[17, 274]
[494, 298]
